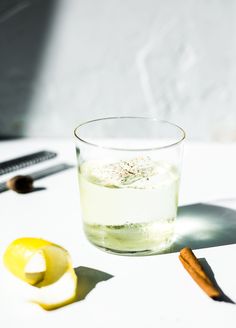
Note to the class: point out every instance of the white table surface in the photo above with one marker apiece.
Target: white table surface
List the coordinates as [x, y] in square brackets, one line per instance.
[153, 291]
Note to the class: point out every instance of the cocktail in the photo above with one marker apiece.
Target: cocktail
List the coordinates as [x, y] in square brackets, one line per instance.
[129, 172]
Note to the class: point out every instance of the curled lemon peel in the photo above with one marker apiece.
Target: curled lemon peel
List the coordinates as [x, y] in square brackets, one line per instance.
[54, 279]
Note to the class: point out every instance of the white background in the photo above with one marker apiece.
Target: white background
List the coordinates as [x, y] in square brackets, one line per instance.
[171, 59]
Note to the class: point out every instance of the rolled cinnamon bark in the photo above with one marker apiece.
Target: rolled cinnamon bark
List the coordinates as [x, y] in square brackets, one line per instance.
[196, 271]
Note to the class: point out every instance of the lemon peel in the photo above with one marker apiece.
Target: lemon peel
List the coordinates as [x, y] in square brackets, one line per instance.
[46, 267]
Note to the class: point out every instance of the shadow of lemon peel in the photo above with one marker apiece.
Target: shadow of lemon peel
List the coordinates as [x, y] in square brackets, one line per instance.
[88, 278]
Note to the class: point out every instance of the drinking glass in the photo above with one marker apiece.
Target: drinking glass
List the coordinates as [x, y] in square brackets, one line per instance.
[129, 173]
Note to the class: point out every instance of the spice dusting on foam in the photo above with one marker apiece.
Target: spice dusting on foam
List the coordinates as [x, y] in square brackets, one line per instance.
[119, 174]
[125, 172]
[138, 172]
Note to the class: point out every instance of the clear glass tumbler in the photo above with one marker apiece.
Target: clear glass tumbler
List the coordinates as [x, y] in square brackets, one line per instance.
[129, 172]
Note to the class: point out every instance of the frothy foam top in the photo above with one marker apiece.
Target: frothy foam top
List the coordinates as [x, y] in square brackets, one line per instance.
[139, 172]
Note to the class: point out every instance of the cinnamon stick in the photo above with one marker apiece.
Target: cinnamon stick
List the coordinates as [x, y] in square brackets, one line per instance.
[196, 271]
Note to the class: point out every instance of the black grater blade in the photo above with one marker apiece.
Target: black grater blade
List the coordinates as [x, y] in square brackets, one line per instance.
[24, 161]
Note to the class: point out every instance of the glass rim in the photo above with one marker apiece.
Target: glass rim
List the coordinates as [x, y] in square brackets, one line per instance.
[151, 119]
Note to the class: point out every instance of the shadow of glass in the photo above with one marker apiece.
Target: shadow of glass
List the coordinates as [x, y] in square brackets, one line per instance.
[88, 278]
[203, 225]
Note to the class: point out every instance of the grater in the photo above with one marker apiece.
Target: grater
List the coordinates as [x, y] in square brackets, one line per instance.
[24, 161]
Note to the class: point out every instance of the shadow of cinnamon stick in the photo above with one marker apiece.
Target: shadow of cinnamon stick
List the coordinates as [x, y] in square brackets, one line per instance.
[223, 297]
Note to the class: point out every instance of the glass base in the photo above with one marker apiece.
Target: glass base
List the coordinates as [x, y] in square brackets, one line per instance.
[146, 252]
[132, 239]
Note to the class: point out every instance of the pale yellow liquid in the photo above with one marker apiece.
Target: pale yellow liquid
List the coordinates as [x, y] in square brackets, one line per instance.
[130, 219]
